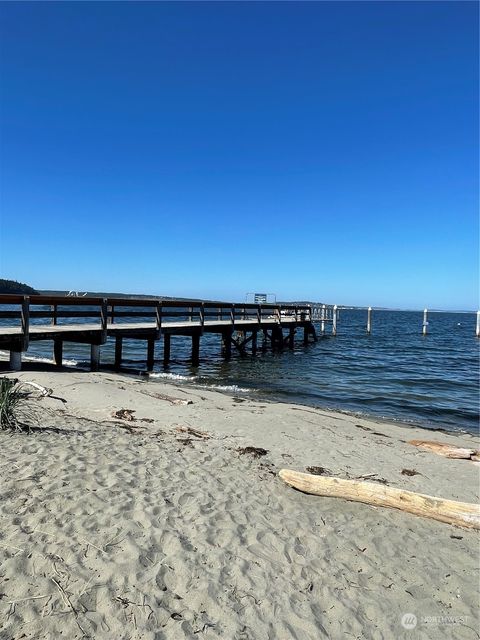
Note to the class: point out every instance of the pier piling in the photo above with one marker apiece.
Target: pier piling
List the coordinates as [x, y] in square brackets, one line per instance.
[94, 357]
[150, 353]
[425, 322]
[477, 330]
[196, 350]
[166, 349]
[369, 320]
[118, 352]
[58, 352]
[334, 321]
[15, 360]
[254, 342]
[291, 337]
[227, 344]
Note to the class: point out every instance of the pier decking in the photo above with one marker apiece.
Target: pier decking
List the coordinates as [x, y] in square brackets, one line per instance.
[150, 320]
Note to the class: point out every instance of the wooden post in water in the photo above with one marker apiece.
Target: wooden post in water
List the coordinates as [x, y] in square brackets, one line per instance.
[227, 344]
[94, 357]
[477, 330]
[305, 335]
[323, 316]
[265, 340]
[334, 321]
[254, 341]
[166, 348]
[425, 322]
[58, 352]
[15, 360]
[118, 352]
[150, 353]
[195, 349]
[369, 320]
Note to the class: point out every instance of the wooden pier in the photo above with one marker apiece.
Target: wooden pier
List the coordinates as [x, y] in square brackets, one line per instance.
[40, 318]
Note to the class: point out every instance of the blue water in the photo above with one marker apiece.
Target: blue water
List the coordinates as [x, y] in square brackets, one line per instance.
[395, 373]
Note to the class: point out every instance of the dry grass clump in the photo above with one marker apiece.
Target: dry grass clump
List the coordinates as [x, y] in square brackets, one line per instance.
[15, 411]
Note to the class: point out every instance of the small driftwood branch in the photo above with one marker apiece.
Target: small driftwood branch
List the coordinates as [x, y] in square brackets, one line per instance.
[445, 449]
[43, 390]
[462, 514]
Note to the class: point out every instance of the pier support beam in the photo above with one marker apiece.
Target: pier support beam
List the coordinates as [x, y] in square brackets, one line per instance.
[58, 352]
[305, 335]
[477, 330]
[196, 350]
[369, 320]
[277, 337]
[94, 357]
[166, 349]
[150, 353]
[291, 337]
[227, 345]
[118, 352]
[265, 340]
[254, 342]
[15, 360]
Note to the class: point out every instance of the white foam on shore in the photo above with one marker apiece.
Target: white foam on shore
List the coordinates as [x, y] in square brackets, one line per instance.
[226, 387]
[176, 377]
[172, 376]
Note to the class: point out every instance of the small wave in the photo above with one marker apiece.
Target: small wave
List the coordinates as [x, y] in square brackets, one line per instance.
[226, 387]
[202, 384]
[173, 376]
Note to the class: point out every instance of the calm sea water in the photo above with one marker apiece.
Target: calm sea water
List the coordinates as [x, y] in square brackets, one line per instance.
[394, 373]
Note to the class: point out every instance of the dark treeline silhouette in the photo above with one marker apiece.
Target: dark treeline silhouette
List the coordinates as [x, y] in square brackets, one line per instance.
[12, 286]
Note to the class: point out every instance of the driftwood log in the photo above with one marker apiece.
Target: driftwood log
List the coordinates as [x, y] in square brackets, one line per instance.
[445, 449]
[462, 514]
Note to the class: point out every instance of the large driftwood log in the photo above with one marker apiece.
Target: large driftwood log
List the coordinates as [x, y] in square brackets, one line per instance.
[445, 449]
[462, 514]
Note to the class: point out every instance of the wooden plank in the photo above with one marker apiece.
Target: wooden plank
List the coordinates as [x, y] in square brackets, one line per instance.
[462, 514]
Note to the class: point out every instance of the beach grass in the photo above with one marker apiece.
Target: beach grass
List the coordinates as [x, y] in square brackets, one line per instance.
[15, 412]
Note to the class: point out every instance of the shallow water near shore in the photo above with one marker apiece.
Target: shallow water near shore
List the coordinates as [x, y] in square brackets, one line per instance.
[394, 373]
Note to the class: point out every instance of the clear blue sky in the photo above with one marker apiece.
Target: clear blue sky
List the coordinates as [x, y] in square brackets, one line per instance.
[323, 151]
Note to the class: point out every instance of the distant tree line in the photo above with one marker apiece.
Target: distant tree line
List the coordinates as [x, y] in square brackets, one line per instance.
[12, 286]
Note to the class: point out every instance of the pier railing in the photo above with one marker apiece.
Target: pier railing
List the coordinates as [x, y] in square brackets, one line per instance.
[35, 310]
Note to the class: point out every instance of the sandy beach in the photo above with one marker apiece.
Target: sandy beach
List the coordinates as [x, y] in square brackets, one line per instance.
[155, 523]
